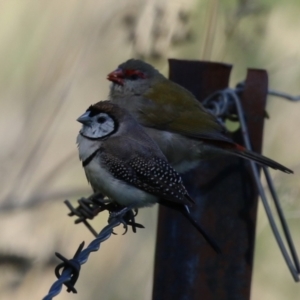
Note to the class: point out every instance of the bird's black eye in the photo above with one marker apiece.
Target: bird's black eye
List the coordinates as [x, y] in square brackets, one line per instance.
[101, 120]
[134, 77]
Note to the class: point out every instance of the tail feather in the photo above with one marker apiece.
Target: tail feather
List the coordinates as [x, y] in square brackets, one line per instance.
[238, 150]
[260, 159]
[185, 211]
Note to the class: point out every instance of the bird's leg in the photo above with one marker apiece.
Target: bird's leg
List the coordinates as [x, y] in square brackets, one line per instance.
[129, 218]
[90, 207]
[126, 215]
[121, 211]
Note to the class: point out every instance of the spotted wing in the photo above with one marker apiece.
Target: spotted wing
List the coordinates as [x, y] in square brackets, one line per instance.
[153, 175]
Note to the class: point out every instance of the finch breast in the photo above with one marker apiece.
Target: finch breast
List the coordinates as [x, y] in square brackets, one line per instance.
[115, 189]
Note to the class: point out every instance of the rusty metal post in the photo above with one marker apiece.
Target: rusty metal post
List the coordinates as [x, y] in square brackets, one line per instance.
[185, 266]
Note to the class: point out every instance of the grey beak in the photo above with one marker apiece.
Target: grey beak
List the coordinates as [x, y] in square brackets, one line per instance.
[85, 119]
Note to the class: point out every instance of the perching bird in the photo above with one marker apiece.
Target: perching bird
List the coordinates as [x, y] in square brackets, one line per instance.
[122, 162]
[185, 132]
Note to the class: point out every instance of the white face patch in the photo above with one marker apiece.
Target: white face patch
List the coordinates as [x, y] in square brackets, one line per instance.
[98, 126]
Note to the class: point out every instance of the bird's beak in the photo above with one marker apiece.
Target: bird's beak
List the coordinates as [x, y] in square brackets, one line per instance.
[85, 119]
[116, 76]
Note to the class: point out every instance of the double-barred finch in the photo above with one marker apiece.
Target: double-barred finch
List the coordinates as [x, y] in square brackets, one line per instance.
[122, 162]
[185, 132]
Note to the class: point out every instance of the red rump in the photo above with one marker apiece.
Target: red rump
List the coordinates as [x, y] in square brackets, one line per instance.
[240, 147]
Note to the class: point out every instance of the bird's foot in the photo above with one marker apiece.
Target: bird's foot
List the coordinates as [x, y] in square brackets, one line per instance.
[126, 216]
[90, 207]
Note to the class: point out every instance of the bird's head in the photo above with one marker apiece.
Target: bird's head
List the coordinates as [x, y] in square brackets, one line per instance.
[105, 119]
[133, 77]
[99, 121]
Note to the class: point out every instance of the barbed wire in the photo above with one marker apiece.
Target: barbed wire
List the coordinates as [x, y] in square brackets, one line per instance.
[90, 207]
[284, 95]
[86, 210]
[224, 104]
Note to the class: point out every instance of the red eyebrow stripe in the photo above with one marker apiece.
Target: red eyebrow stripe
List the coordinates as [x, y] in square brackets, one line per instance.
[130, 72]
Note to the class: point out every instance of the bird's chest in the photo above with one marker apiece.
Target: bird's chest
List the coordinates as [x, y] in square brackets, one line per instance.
[121, 192]
[100, 179]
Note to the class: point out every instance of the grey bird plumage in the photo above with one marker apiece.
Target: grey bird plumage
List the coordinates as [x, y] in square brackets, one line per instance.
[171, 115]
[122, 162]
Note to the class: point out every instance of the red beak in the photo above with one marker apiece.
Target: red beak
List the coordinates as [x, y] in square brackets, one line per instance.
[116, 76]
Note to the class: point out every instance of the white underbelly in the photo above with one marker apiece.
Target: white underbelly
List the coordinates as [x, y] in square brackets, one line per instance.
[115, 189]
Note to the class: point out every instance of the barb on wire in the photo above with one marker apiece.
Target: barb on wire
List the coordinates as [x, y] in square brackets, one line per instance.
[222, 104]
[71, 267]
[90, 207]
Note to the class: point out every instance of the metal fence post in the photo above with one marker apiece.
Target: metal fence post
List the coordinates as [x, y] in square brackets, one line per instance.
[185, 266]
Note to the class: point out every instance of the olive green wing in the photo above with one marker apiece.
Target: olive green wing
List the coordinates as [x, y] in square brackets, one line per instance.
[172, 108]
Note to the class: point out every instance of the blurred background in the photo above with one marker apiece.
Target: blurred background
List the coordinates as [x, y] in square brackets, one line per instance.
[54, 58]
